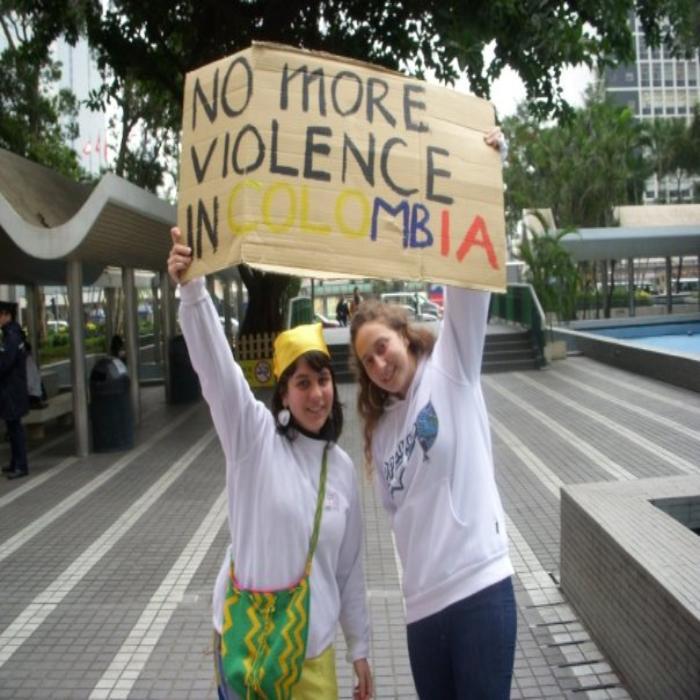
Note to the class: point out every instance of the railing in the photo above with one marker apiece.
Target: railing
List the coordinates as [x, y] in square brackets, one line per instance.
[520, 305]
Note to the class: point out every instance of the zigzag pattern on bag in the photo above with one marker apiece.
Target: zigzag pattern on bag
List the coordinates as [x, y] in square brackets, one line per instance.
[228, 620]
[265, 640]
[295, 648]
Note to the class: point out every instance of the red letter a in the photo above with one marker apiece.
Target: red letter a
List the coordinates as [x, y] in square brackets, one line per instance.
[478, 226]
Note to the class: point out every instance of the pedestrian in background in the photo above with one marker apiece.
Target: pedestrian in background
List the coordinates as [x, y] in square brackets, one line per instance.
[356, 301]
[35, 387]
[14, 395]
[342, 311]
[116, 348]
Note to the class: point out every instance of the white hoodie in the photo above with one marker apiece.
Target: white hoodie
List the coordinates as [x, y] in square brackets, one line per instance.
[272, 486]
[432, 454]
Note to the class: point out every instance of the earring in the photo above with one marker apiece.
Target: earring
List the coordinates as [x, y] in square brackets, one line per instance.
[283, 417]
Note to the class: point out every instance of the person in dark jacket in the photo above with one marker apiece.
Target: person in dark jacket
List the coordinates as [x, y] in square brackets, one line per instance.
[14, 396]
[342, 311]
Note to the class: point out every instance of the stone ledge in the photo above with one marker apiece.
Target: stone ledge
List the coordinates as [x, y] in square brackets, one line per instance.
[632, 572]
[674, 368]
[59, 406]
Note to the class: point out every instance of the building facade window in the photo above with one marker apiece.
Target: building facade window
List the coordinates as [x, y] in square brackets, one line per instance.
[661, 86]
[692, 74]
[668, 74]
[680, 73]
[644, 74]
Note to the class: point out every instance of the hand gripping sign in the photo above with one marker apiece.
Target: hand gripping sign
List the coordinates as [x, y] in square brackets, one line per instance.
[315, 165]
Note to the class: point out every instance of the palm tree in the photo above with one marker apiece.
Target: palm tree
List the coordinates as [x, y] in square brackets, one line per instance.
[550, 269]
[662, 141]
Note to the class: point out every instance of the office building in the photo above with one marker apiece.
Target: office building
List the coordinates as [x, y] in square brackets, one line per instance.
[656, 86]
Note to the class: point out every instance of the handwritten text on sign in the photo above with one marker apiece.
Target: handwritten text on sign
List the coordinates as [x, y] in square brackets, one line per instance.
[296, 160]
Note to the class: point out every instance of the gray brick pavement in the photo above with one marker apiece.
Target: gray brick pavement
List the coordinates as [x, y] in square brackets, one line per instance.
[84, 645]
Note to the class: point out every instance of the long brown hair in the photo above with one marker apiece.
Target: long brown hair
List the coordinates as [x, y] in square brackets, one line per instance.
[371, 399]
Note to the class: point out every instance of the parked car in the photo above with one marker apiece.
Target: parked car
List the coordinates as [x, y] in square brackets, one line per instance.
[418, 303]
[421, 317]
[234, 324]
[57, 326]
[326, 322]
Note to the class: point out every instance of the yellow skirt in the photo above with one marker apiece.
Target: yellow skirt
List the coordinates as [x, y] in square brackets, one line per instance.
[318, 678]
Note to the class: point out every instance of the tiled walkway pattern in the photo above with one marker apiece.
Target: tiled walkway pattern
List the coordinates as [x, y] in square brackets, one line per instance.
[107, 563]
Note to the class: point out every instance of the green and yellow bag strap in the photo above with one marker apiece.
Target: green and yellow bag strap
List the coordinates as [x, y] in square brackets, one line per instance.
[319, 510]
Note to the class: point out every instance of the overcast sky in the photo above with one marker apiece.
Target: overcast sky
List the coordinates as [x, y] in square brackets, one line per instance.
[508, 91]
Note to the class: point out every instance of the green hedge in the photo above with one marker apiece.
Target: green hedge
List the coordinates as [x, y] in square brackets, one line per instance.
[57, 346]
[620, 299]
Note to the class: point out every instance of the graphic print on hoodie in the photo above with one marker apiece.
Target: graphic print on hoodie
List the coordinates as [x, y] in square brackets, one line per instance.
[424, 431]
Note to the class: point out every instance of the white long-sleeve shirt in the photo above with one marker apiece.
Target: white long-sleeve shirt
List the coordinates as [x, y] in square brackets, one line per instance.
[434, 469]
[272, 486]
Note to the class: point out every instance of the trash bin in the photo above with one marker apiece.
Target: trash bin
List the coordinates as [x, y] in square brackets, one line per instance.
[184, 382]
[110, 406]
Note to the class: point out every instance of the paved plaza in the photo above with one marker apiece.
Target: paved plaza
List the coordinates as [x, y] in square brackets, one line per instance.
[107, 562]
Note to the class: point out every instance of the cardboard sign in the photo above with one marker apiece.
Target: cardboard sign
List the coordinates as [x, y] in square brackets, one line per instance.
[319, 166]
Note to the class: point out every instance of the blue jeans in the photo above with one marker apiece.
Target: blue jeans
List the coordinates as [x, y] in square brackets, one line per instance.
[466, 651]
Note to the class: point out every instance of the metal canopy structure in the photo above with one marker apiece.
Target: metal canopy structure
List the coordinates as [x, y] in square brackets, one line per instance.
[46, 220]
[55, 231]
[621, 243]
[645, 231]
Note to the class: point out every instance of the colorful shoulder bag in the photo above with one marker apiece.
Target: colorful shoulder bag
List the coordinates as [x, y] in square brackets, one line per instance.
[264, 634]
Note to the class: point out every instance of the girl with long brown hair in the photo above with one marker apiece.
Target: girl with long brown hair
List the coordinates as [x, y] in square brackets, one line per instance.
[427, 436]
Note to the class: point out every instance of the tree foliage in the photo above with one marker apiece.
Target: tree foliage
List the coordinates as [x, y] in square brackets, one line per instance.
[580, 169]
[551, 271]
[146, 126]
[145, 48]
[593, 161]
[667, 144]
[36, 121]
[694, 145]
[160, 40]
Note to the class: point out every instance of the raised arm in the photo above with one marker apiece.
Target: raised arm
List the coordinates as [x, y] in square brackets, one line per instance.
[460, 346]
[238, 417]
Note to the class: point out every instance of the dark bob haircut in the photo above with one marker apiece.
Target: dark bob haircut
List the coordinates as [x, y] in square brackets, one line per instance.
[9, 307]
[333, 427]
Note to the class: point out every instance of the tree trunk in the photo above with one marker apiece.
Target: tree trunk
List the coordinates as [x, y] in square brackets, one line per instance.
[41, 317]
[127, 125]
[585, 275]
[263, 314]
[611, 288]
[595, 287]
[679, 274]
